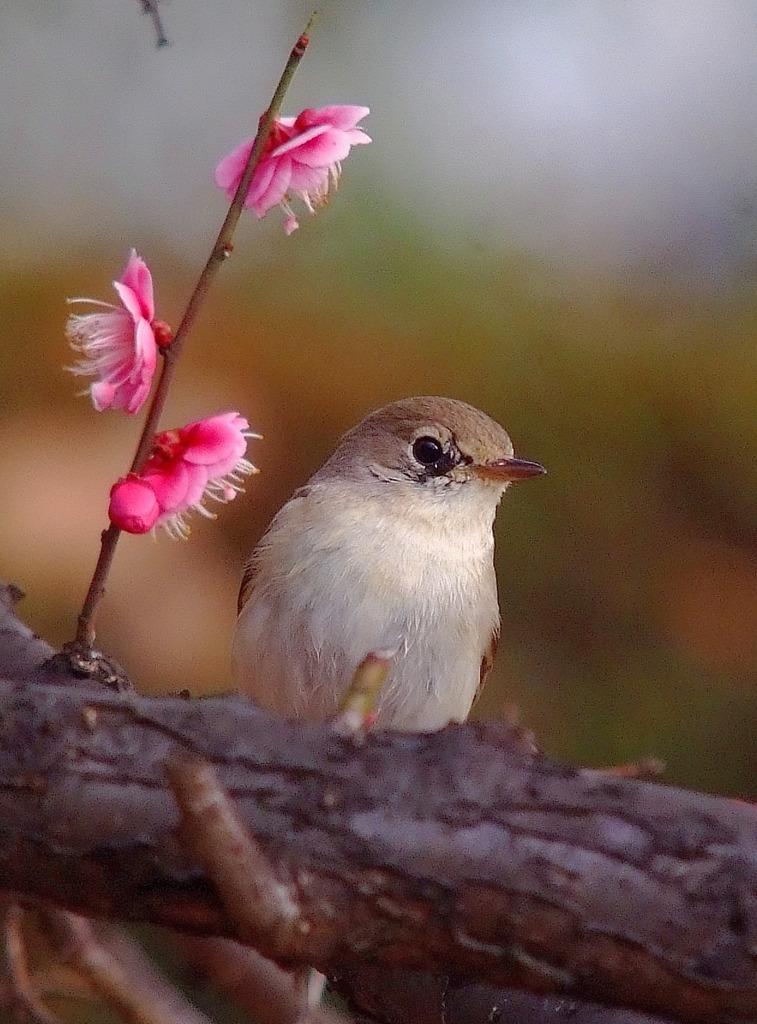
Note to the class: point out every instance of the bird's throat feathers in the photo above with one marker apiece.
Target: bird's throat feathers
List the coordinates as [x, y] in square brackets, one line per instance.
[450, 526]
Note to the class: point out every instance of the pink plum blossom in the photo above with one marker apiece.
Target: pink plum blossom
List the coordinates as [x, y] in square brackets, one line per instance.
[187, 465]
[302, 156]
[119, 344]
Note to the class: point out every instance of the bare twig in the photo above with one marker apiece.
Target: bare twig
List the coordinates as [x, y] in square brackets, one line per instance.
[119, 973]
[269, 994]
[254, 898]
[648, 768]
[150, 7]
[24, 993]
[358, 702]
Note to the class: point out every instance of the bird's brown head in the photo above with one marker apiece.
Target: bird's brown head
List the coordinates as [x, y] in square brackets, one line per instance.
[430, 441]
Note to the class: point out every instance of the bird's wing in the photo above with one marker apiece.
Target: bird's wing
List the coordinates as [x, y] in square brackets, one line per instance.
[253, 564]
[487, 662]
[247, 585]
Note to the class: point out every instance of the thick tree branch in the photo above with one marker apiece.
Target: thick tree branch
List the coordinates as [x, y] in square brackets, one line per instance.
[453, 853]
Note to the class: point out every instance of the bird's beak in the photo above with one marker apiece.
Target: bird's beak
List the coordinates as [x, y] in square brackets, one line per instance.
[508, 469]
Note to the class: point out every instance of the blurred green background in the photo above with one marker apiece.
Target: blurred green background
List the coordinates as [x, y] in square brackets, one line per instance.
[554, 223]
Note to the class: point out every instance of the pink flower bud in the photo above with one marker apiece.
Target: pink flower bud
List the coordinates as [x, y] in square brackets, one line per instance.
[163, 334]
[133, 505]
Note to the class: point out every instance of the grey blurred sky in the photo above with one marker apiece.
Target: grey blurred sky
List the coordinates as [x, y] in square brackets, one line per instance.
[574, 128]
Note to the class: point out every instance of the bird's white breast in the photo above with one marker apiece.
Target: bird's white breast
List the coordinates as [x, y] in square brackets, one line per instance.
[338, 578]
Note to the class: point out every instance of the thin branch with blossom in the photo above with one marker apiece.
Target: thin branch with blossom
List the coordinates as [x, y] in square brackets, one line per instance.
[85, 632]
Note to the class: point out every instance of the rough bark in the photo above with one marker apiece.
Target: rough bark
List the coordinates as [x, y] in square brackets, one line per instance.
[454, 853]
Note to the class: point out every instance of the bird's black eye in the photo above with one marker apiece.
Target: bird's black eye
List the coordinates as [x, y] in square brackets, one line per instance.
[427, 450]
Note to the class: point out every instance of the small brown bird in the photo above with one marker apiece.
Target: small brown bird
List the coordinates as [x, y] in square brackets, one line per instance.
[389, 546]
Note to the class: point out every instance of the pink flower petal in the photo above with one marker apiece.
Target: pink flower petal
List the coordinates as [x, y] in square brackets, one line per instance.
[341, 116]
[216, 441]
[170, 484]
[358, 137]
[331, 148]
[269, 189]
[134, 397]
[269, 182]
[300, 140]
[138, 278]
[145, 350]
[129, 299]
[178, 490]
[261, 181]
[102, 395]
[312, 180]
[229, 171]
[198, 479]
